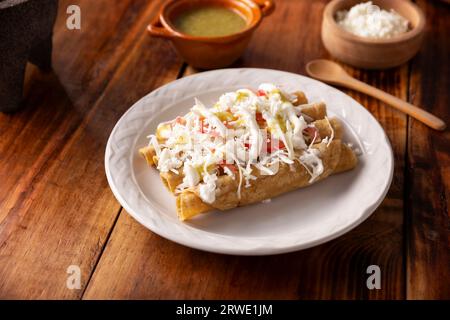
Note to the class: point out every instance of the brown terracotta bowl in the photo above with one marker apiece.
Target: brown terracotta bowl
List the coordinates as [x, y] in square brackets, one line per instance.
[210, 52]
[373, 53]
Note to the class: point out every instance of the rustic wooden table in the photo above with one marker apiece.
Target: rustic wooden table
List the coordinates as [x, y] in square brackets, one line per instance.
[56, 208]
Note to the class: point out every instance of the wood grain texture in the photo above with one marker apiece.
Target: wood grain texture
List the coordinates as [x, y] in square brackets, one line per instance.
[139, 264]
[56, 208]
[428, 182]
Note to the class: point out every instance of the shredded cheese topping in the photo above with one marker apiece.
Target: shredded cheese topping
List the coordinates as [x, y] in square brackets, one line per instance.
[243, 131]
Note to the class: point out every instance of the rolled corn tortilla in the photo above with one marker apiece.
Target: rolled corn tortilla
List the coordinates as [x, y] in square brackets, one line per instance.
[172, 180]
[323, 126]
[288, 178]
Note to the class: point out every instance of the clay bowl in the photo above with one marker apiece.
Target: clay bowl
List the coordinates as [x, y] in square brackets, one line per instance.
[210, 52]
[373, 53]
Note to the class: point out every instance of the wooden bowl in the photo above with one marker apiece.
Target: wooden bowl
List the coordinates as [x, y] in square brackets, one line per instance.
[373, 53]
[210, 52]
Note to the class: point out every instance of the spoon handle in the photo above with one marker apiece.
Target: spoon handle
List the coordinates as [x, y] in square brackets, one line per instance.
[415, 112]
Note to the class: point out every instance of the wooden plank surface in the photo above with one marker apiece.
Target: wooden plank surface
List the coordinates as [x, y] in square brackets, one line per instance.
[56, 208]
[428, 182]
[139, 264]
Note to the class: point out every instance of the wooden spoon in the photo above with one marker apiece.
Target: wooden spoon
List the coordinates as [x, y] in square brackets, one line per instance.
[331, 72]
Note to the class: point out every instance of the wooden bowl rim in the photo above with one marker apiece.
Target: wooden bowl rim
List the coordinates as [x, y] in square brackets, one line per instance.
[252, 24]
[330, 10]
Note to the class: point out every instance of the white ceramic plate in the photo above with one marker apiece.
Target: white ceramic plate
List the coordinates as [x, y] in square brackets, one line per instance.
[297, 220]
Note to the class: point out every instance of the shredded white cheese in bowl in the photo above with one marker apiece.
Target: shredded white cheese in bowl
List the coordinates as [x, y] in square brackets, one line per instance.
[370, 21]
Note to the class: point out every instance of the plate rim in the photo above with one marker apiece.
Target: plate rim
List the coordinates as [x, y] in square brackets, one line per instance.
[238, 251]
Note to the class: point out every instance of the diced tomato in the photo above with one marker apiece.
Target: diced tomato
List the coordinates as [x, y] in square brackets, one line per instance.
[203, 126]
[247, 145]
[180, 120]
[261, 93]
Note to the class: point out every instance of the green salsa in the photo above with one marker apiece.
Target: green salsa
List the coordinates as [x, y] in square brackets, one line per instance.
[209, 21]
